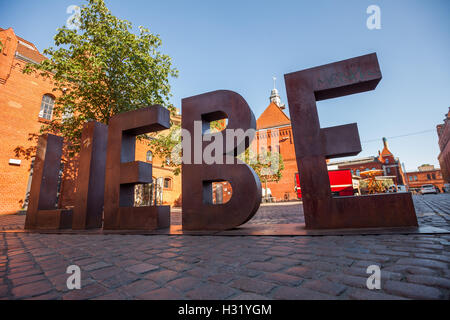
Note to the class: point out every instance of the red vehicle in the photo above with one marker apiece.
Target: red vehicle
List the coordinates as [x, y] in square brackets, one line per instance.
[340, 180]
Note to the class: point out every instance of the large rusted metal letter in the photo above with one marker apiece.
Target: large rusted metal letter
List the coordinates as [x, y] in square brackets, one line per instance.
[122, 172]
[314, 145]
[42, 212]
[199, 213]
[88, 210]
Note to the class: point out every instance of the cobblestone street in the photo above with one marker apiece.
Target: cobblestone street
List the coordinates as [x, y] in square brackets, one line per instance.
[415, 266]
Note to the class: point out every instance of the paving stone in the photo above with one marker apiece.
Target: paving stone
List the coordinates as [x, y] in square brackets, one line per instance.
[25, 280]
[119, 280]
[162, 276]
[183, 284]
[411, 290]
[112, 296]
[86, 292]
[28, 273]
[423, 263]
[52, 295]
[353, 281]
[439, 257]
[108, 272]
[429, 281]
[249, 296]
[282, 279]
[299, 293]
[366, 294]
[142, 268]
[303, 272]
[325, 286]
[161, 294]
[140, 286]
[3, 290]
[253, 285]
[32, 289]
[222, 277]
[265, 266]
[95, 266]
[210, 291]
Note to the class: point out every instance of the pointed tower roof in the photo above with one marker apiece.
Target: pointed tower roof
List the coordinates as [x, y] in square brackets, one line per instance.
[273, 116]
[386, 152]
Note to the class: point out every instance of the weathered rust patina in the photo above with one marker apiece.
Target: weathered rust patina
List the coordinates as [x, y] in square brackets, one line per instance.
[42, 212]
[88, 210]
[199, 212]
[123, 172]
[314, 145]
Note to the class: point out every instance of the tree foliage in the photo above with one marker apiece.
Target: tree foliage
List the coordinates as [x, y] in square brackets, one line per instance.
[267, 165]
[102, 69]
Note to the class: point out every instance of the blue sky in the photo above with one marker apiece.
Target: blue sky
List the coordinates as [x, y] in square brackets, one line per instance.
[241, 45]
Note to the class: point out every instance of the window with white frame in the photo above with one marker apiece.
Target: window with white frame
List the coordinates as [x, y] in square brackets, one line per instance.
[47, 107]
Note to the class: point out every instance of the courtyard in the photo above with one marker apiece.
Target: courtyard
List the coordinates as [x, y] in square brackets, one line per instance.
[413, 266]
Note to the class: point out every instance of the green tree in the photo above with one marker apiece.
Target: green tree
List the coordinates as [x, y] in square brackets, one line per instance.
[102, 69]
[267, 165]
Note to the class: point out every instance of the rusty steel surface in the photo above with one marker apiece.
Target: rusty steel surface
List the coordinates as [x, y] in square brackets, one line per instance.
[123, 172]
[199, 212]
[42, 212]
[88, 209]
[314, 145]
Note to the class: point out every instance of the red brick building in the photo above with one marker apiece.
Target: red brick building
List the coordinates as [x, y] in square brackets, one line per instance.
[26, 102]
[443, 131]
[426, 174]
[385, 161]
[274, 132]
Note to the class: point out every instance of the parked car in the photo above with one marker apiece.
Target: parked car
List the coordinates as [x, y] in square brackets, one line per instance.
[401, 188]
[428, 188]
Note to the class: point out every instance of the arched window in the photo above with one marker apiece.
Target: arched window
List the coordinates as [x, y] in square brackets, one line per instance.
[149, 156]
[167, 183]
[47, 107]
[358, 172]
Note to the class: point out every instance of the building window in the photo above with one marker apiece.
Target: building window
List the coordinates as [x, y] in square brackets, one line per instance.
[410, 178]
[387, 161]
[433, 176]
[47, 107]
[415, 178]
[388, 170]
[357, 172]
[149, 156]
[167, 183]
[428, 176]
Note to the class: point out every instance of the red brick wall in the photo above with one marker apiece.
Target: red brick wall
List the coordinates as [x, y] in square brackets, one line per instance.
[423, 178]
[20, 101]
[444, 145]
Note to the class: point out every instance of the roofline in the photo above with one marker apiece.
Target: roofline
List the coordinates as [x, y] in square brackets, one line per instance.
[26, 59]
[276, 127]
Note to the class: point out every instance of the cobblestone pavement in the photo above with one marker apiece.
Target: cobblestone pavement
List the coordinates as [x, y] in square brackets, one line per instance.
[33, 266]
